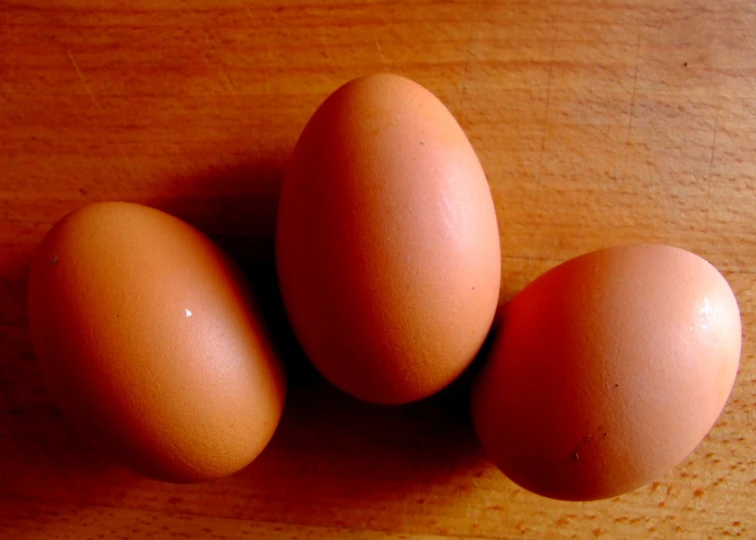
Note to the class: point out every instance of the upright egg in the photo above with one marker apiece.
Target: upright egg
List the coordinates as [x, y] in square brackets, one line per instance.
[146, 335]
[387, 242]
[608, 371]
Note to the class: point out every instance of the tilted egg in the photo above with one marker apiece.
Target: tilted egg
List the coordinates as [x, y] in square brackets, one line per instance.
[146, 334]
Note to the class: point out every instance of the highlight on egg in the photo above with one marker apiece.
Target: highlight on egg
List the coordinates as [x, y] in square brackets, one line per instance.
[387, 243]
[149, 340]
[608, 371]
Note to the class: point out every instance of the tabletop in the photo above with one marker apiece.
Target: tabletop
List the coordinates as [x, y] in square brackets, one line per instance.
[598, 123]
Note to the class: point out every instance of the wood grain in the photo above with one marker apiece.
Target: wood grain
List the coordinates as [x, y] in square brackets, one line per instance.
[599, 122]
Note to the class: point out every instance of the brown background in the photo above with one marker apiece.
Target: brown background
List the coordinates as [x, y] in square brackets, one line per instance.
[599, 122]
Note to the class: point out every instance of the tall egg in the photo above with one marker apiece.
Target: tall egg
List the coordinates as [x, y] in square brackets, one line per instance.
[387, 242]
[146, 335]
[608, 371]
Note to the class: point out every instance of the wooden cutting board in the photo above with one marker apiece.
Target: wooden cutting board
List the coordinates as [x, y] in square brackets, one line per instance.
[598, 122]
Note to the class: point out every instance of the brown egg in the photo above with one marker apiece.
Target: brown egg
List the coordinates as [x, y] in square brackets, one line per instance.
[387, 242]
[145, 334]
[608, 371]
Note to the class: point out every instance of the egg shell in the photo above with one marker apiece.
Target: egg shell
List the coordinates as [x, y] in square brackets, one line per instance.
[608, 371]
[387, 242]
[146, 335]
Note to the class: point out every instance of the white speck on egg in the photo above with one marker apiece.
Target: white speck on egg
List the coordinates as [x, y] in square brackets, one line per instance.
[187, 313]
[704, 312]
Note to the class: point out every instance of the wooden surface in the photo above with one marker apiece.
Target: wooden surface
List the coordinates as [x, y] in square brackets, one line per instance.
[599, 122]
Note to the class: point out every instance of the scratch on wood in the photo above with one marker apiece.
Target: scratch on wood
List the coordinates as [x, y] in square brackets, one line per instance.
[188, 6]
[713, 145]
[474, 20]
[83, 80]
[634, 91]
[207, 36]
[5, 94]
[380, 52]
[89, 92]
[633, 94]
[229, 81]
[547, 106]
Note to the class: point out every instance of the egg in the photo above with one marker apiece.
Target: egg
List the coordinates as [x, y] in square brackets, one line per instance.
[387, 243]
[147, 337]
[608, 371]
